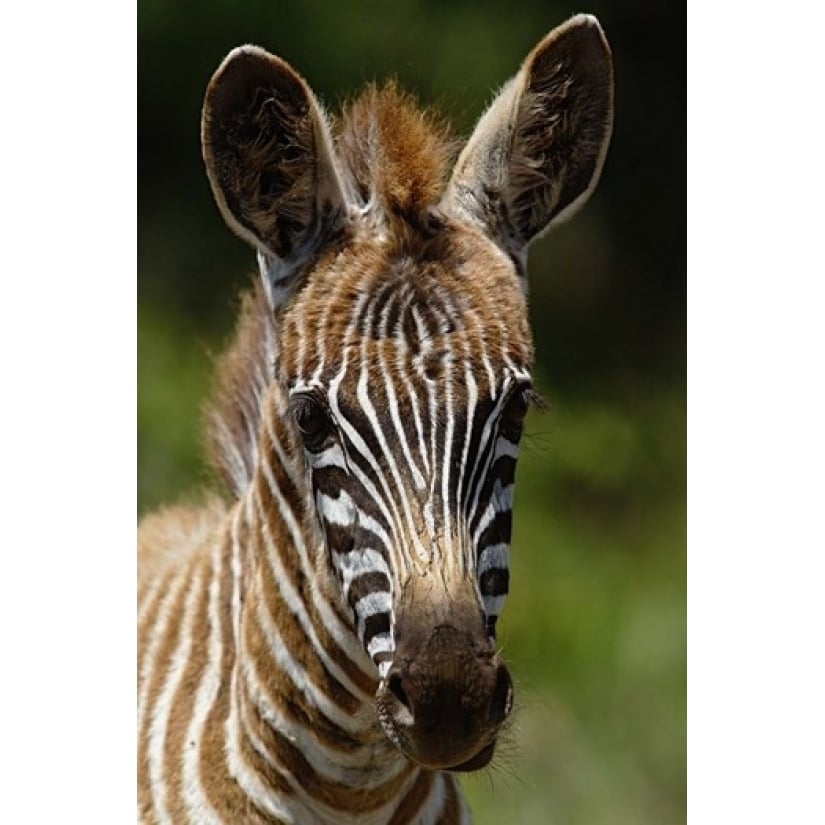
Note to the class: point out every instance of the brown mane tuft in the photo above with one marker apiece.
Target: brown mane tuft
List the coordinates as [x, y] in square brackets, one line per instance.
[394, 152]
[233, 415]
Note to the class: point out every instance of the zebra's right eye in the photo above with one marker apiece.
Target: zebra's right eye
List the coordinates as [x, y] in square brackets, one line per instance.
[312, 420]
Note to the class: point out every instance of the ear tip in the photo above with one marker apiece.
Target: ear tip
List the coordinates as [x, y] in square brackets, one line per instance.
[243, 58]
[582, 38]
[584, 19]
[245, 69]
[578, 26]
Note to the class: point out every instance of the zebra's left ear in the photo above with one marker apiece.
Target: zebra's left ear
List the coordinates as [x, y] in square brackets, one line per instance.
[270, 161]
[537, 152]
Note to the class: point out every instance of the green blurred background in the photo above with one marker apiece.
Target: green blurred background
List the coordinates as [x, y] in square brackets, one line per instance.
[595, 626]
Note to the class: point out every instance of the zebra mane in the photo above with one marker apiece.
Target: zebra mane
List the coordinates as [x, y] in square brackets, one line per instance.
[233, 415]
[396, 157]
[394, 154]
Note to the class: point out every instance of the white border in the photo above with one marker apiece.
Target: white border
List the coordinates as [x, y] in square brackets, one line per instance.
[756, 416]
[68, 343]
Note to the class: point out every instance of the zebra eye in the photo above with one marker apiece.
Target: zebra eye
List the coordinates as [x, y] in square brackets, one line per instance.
[512, 417]
[312, 420]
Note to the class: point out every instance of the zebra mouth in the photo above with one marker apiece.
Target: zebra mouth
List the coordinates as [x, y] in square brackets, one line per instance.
[479, 761]
[404, 743]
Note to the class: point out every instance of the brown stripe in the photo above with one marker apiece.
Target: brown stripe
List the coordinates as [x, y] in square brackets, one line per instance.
[168, 623]
[451, 811]
[333, 794]
[294, 496]
[183, 702]
[288, 626]
[221, 789]
[294, 637]
[271, 778]
[149, 618]
[412, 803]
[367, 583]
[286, 697]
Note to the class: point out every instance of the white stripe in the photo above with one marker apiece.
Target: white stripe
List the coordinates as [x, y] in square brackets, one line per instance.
[298, 609]
[501, 502]
[393, 518]
[279, 403]
[248, 781]
[503, 496]
[197, 804]
[163, 704]
[369, 410]
[340, 512]
[313, 694]
[341, 634]
[419, 426]
[491, 375]
[493, 604]
[358, 562]
[370, 605]
[306, 807]
[358, 443]
[505, 447]
[152, 595]
[472, 400]
[380, 643]
[156, 635]
[483, 457]
[495, 556]
[434, 803]
[447, 449]
[333, 456]
[401, 350]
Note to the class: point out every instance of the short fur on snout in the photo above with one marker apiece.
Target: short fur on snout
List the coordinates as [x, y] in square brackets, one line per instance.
[447, 692]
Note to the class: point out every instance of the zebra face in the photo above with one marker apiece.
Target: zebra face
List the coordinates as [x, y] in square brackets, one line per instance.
[410, 432]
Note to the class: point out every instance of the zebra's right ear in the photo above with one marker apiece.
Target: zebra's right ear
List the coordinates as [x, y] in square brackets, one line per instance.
[269, 159]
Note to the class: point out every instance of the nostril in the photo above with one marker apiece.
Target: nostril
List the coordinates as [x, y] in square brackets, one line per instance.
[502, 701]
[397, 689]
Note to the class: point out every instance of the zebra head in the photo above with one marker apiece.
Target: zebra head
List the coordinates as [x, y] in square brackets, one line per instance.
[404, 349]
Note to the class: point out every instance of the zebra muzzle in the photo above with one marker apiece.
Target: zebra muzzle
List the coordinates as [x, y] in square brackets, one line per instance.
[445, 697]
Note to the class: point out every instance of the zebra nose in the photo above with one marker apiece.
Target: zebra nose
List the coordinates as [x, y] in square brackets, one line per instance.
[402, 710]
[501, 702]
[445, 703]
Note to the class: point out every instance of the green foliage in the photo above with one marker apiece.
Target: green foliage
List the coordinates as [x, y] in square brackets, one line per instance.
[595, 626]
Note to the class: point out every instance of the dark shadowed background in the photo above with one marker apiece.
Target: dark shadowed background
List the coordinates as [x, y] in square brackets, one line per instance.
[594, 628]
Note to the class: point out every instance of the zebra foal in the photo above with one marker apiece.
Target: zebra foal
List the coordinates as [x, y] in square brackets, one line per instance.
[321, 648]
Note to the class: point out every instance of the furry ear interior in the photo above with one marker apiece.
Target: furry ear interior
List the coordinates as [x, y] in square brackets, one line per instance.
[269, 159]
[537, 152]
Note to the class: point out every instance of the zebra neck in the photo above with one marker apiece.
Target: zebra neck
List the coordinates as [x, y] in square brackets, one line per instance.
[302, 688]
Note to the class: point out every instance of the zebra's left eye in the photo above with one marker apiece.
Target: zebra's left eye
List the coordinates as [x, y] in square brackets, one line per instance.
[511, 424]
[312, 419]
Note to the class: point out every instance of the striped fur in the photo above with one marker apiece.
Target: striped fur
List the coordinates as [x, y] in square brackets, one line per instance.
[320, 648]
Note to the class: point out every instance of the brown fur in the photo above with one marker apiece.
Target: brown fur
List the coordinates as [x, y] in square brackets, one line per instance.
[173, 533]
[394, 151]
[242, 376]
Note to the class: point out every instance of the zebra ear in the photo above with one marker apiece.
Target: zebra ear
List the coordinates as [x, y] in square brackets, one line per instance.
[269, 159]
[537, 152]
